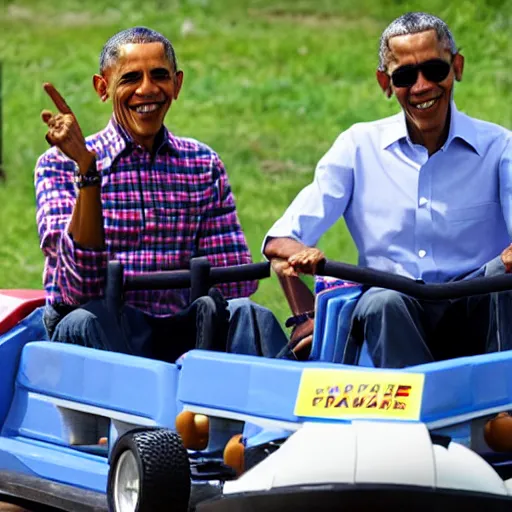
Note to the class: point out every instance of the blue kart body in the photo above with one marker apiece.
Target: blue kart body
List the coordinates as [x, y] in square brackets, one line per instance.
[57, 400]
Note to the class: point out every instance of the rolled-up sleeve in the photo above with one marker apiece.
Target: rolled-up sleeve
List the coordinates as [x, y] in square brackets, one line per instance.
[320, 204]
[220, 237]
[76, 273]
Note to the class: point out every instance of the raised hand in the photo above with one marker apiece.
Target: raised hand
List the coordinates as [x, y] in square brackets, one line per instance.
[64, 130]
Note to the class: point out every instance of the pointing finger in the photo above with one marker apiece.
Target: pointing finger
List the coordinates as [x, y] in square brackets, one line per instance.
[57, 99]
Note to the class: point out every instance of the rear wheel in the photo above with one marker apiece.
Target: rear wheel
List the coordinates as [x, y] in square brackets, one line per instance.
[149, 472]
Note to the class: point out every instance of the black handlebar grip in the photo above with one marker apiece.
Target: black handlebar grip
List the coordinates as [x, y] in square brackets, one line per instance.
[199, 277]
[114, 286]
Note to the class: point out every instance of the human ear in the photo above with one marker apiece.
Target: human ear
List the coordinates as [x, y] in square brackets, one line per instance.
[385, 83]
[100, 86]
[178, 81]
[458, 66]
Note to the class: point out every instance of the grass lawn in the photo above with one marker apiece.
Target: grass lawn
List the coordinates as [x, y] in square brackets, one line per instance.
[269, 84]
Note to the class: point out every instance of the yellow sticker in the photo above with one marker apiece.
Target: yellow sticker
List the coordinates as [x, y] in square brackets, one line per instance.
[350, 394]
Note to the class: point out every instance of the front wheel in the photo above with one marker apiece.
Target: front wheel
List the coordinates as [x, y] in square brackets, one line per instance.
[149, 472]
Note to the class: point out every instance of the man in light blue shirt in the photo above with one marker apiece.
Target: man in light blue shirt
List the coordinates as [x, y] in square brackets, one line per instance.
[426, 194]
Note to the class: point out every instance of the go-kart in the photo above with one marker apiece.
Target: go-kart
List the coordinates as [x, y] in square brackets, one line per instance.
[90, 430]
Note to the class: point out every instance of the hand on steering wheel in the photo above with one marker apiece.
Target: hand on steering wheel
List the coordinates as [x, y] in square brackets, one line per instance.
[506, 257]
[303, 262]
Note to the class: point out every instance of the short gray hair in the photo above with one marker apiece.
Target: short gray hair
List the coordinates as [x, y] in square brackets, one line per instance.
[412, 23]
[135, 35]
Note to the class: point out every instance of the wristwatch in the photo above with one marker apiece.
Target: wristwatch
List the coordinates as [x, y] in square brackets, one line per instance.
[90, 178]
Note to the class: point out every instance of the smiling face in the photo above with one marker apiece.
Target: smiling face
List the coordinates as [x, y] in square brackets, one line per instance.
[142, 85]
[426, 104]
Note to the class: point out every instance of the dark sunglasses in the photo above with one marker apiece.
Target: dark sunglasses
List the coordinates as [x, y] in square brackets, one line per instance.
[435, 70]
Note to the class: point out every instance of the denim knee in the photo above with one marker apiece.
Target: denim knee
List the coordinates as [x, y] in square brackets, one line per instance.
[76, 327]
[80, 327]
[379, 302]
[240, 304]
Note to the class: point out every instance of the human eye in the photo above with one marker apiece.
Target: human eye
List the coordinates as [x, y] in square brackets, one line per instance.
[160, 74]
[130, 77]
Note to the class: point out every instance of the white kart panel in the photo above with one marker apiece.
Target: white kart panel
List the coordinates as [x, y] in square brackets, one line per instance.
[259, 478]
[394, 453]
[370, 452]
[319, 453]
[459, 467]
[315, 454]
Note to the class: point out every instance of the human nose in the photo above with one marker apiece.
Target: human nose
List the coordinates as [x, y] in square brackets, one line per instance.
[421, 85]
[147, 87]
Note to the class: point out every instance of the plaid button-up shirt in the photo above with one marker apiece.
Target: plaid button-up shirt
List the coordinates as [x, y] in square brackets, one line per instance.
[158, 214]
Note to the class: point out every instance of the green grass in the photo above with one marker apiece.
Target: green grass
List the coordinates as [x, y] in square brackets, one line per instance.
[269, 84]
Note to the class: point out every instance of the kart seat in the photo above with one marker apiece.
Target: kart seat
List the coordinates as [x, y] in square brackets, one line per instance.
[333, 312]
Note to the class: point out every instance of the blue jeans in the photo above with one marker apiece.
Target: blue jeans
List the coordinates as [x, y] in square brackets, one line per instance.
[251, 329]
[401, 331]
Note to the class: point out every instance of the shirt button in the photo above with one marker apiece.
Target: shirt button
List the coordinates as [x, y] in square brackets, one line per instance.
[423, 201]
[422, 253]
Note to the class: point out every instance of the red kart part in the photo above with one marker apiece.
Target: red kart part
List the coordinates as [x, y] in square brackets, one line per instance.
[15, 305]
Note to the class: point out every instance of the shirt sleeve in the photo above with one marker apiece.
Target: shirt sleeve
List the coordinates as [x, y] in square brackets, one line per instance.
[496, 266]
[320, 204]
[221, 238]
[505, 179]
[78, 273]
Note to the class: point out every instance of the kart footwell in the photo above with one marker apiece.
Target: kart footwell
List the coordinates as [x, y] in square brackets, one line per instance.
[377, 498]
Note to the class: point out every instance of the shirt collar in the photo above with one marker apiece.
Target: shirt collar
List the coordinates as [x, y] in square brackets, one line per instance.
[119, 139]
[461, 128]
[394, 131]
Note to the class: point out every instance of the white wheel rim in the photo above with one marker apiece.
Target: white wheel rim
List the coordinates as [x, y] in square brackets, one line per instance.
[126, 483]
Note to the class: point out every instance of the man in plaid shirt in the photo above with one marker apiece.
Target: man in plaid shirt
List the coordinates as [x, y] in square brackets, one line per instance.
[137, 193]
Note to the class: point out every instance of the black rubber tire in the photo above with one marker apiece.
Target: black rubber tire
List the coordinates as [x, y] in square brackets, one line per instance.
[163, 466]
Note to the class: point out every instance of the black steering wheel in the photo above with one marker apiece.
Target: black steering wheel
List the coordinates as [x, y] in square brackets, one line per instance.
[413, 288]
[201, 276]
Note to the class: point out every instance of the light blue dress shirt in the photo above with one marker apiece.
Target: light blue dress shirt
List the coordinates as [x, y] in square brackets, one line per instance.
[427, 218]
